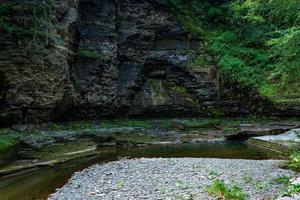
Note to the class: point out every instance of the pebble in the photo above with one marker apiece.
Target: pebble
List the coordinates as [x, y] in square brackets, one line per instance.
[172, 178]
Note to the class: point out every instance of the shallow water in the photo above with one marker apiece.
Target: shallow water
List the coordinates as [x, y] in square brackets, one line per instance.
[41, 183]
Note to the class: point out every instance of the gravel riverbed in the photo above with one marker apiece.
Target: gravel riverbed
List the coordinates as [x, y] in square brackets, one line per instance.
[172, 178]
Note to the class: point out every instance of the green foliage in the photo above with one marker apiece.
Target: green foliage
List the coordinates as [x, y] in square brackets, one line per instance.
[259, 185]
[200, 61]
[7, 141]
[294, 162]
[292, 189]
[177, 89]
[214, 112]
[38, 29]
[236, 61]
[248, 179]
[192, 123]
[154, 84]
[197, 16]
[272, 27]
[281, 13]
[220, 190]
[284, 180]
[285, 53]
[268, 90]
[254, 43]
[42, 29]
[194, 29]
[213, 174]
[229, 129]
[92, 54]
[113, 123]
[235, 194]
[203, 123]
[126, 123]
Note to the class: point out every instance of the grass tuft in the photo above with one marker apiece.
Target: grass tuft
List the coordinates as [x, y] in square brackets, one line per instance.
[221, 191]
[294, 162]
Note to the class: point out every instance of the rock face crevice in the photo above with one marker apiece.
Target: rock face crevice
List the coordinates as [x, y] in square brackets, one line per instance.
[94, 77]
[108, 58]
[135, 45]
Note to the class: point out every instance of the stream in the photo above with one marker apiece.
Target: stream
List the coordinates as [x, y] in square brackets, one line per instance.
[39, 184]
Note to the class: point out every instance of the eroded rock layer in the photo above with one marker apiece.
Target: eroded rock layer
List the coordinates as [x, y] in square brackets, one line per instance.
[99, 58]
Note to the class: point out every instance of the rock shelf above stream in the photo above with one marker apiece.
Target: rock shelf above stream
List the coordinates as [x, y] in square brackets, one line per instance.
[286, 142]
[47, 148]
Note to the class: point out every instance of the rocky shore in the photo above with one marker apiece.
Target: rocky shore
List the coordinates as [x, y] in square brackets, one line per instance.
[46, 147]
[174, 178]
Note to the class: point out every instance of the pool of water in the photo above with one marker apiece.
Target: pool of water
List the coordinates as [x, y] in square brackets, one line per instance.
[39, 184]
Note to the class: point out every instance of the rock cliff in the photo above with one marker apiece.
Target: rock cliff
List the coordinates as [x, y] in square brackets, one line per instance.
[72, 59]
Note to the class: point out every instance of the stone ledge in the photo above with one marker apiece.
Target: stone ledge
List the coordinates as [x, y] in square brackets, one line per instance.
[284, 143]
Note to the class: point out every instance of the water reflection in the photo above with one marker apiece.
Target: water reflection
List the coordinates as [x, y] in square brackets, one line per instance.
[39, 184]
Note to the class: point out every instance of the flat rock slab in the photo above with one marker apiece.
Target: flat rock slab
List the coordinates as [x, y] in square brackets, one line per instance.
[284, 143]
[251, 130]
[290, 136]
[172, 178]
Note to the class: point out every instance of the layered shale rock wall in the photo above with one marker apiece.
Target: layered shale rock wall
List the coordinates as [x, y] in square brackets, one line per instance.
[34, 71]
[100, 58]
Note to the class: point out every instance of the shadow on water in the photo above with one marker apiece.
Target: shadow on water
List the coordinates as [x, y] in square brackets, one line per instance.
[231, 150]
[39, 184]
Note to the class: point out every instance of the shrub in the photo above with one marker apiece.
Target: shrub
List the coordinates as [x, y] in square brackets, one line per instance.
[294, 162]
[7, 142]
[286, 67]
[285, 180]
[292, 189]
[220, 190]
[200, 61]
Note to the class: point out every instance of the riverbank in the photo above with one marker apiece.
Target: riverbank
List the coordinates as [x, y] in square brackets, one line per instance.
[44, 150]
[175, 178]
[44, 181]
[35, 146]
